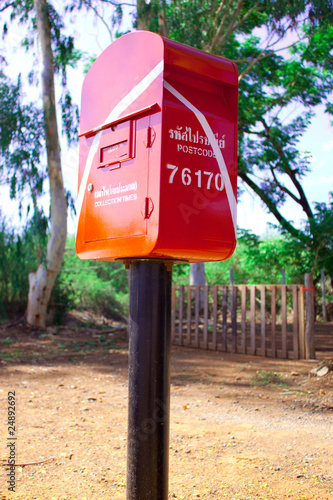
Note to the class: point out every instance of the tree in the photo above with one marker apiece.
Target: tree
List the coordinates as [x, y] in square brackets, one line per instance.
[41, 282]
[283, 50]
[43, 17]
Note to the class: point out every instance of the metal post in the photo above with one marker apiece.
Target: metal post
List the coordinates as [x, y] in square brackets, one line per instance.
[149, 380]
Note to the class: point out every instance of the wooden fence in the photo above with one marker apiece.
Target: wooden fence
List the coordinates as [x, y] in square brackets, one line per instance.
[264, 320]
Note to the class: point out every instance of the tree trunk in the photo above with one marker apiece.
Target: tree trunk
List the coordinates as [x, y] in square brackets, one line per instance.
[41, 282]
[197, 274]
[198, 277]
[150, 16]
[143, 15]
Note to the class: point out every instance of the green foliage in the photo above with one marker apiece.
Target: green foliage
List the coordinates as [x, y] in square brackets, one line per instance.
[21, 137]
[6, 341]
[89, 62]
[320, 249]
[63, 48]
[70, 117]
[100, 286]
[62, 300]
[181, 274]
[259, 260]
[19, 255]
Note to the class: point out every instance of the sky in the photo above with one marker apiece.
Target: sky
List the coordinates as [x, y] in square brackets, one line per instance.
[318, 140]
[93, 37]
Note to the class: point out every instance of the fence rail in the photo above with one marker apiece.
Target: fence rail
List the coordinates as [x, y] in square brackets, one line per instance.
[264, 320]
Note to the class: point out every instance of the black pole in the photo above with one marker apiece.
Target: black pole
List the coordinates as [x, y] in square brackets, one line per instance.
[149, 380]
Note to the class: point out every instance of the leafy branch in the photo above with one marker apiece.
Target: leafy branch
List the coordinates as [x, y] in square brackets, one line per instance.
[6, 6]
[100, 16]
[302, 201]
[271, 205]
[232, 26]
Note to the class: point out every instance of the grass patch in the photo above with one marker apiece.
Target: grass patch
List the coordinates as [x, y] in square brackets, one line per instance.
[62, 346]
[266, 378]
[7, 356]
[6, 341]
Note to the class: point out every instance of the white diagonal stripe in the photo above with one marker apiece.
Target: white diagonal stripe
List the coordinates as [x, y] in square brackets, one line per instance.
[114, 115]
[213, 142]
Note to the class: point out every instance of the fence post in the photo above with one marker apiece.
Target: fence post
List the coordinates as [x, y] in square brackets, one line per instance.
[301, 322]
[309, 317]
[243, 328]
[173, 314]
[233, 311]
[284, 330]
[181, 313]
[323, 305]
[252, 349]
[224, 318]
[263, 320]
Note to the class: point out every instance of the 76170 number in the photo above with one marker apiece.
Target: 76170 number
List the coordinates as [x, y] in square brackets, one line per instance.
[207, 180]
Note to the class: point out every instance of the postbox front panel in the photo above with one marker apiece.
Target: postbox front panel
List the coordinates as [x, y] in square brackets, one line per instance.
[115, 202]
[199, 171]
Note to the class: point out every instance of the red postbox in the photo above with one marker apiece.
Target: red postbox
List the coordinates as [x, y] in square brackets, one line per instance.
[158, 153]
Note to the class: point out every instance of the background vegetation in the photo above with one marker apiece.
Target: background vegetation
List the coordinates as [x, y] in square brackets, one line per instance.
[102, 287]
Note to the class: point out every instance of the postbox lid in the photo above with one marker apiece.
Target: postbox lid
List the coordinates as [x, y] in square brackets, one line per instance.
[140, 57]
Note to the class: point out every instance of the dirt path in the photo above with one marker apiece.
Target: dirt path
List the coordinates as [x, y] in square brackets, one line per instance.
[241, 427]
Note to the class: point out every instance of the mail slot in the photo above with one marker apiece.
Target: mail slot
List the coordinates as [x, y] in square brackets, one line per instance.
[158, 153]
[116, 144]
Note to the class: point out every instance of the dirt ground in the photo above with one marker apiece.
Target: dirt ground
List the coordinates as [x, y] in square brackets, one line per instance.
[242, 427]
